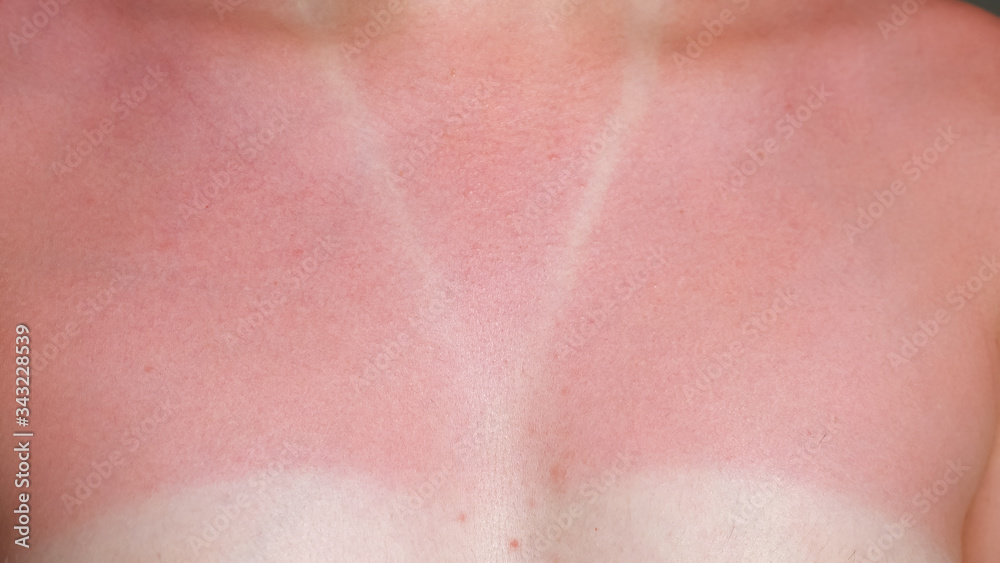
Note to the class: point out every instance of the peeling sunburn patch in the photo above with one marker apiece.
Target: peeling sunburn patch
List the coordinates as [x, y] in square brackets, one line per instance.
[306, 516]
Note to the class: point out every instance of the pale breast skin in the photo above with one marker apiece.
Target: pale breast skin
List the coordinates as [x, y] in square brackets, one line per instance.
[494, 293]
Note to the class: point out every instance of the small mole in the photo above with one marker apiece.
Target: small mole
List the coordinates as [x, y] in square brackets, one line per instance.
[514, 544]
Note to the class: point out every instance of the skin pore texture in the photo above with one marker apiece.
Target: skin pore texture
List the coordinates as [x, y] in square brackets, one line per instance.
[467, 281]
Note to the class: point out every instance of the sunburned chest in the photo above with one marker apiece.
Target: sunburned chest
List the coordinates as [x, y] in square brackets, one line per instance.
[680, 336]
[419, 299]
[635, 371]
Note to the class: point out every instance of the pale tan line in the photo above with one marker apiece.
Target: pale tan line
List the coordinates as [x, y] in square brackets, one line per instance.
[502, 406]
[370, 145]
[567, 266]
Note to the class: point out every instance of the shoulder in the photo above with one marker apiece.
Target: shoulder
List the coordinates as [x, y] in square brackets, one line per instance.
[941, 53]
[955, 76]
[920, 69]
[954, 43]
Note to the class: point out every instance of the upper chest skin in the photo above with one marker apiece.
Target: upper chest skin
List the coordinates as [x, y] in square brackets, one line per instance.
[527, 267]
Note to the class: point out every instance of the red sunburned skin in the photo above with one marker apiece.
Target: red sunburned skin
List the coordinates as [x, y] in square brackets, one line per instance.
[256, 187]
[475, 291]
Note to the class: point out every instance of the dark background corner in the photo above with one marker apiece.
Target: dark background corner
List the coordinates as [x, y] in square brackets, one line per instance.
[991, 5]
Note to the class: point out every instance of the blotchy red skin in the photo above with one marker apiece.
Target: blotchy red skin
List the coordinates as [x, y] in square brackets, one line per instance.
[474, 306]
